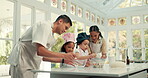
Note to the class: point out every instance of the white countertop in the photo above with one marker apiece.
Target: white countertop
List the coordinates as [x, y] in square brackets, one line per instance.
[105, 71]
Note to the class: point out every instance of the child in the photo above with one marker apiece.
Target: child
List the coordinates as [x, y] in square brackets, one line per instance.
[81, 52]
[68, 46]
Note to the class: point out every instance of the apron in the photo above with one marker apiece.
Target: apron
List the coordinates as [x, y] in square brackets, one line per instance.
[26, 61]
[96, 48]
[23, 57]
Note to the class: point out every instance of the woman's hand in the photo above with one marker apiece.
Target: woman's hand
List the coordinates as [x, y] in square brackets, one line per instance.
[103, 56]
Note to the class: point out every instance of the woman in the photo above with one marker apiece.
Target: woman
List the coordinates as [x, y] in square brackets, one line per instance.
[97, 42]
[68, 47]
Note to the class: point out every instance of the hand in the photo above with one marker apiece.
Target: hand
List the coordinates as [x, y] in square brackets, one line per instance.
[69, 56]
[70, 62]
[93, 55]
[88, 63]
[103, 56]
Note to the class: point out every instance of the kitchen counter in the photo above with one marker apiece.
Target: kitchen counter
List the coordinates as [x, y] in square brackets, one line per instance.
[136, 70]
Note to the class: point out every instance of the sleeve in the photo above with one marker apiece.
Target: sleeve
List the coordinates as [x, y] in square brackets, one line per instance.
[40, 33]
[103, 47]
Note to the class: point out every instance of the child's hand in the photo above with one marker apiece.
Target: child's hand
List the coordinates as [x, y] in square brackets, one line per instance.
[93, 55]
[88, 64]
[70, 62]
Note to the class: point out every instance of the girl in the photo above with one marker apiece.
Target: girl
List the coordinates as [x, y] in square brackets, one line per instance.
[97, 42]
[68, 47]
[81, 52]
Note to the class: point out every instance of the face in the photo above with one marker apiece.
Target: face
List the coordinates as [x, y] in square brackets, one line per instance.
[69, 47]
[61, 27]
[94, 36]
[84, 45]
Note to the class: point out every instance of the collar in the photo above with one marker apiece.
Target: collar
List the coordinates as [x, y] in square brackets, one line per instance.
[98, 41]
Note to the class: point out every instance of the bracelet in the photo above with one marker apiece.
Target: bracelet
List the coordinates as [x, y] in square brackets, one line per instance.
[62, 60]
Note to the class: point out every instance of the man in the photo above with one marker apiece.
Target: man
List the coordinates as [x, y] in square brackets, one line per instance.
[25, 55]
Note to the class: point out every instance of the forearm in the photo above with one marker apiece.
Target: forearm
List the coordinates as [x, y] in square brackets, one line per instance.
[55, 60]
[42, 51]
[103, 47]
[103, 50]
[83, 57]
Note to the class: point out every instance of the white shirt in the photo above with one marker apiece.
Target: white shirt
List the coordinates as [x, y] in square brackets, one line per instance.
[82, 53]
[39, 33]
[96, 48]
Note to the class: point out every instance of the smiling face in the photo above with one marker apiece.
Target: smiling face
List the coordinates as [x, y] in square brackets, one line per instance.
[94, 36]
[60, 27]
[84, 45]
[69, 47]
